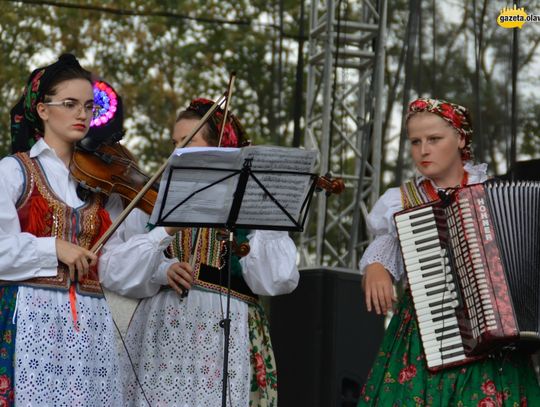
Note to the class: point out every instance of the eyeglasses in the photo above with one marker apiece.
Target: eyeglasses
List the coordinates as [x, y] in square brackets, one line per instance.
[75, 107]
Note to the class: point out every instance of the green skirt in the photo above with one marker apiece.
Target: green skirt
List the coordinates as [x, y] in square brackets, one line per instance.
[399, 376]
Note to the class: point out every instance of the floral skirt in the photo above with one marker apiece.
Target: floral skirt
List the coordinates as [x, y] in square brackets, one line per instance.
[8, 299]
[263, 387]
[399, 376]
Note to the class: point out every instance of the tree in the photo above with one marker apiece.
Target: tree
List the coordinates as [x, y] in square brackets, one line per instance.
[158, 60]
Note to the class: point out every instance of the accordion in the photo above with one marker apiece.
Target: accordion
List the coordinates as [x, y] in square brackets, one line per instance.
[472, 260]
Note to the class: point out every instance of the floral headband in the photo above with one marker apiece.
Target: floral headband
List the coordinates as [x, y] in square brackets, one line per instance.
[233, 133]
[457, 116]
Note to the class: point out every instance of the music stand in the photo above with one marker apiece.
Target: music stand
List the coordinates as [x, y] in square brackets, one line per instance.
[253, 195]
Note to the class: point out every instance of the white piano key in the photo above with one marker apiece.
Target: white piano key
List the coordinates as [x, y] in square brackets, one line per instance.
[407, 216]
[434, 335]
[421, 249]
[419, 296]
[434, 346]
[423, 318]
[437, 361]
[404, 228]
[437, 310]
[423, 303]
[410, 238]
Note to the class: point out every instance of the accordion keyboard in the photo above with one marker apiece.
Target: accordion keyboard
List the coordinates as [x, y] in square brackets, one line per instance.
[432, 287]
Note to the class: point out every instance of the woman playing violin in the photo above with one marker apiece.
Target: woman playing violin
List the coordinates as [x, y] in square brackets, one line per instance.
[176, 343]
[57, 339]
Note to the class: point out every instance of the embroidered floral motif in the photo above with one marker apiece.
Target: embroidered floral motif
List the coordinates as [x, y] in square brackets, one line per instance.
[488, 387]
[470, 385]
[263, 366]
[487, 402]
[5, 384]
[407, 374]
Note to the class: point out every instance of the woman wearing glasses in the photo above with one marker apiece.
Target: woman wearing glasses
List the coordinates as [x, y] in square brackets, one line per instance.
[57, 344]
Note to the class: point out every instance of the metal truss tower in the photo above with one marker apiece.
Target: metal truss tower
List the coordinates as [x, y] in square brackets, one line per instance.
[344, 123]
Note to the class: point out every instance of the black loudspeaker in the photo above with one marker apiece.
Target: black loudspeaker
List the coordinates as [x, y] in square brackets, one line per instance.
[324, 339]
[524, 171]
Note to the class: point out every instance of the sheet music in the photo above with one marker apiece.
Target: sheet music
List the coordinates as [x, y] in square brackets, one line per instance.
[288, 189]
[210, 205]
[284, 172]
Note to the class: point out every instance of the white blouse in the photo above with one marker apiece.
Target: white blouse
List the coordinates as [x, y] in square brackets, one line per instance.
[45, 334]
[132, 262]
[385, 246]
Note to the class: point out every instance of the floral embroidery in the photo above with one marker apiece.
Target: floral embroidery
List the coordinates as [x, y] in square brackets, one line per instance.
[487, 402]
[407, 374]
[392, 382]
[8, 297]
[263, 366]
[260, 370]
[488, 387]
[5, 383]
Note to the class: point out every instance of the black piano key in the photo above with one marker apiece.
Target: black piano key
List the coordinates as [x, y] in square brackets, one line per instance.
[421, 222]
[441, 302]
[447, 336]
[423, 229]
[418, 214]
[435, 284]
[432, 246]
[443, 317]
[426, 240]
[432, 273]
[445, 328]
[435, 257]
[441, 310]
[439, 291]
[451, 355]
[430, 266]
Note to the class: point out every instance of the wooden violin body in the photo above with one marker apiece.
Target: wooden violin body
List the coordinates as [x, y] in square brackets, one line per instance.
[112, 169]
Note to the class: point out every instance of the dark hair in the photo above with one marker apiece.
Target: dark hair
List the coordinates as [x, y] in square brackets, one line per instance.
[66, 73]
[210, 133]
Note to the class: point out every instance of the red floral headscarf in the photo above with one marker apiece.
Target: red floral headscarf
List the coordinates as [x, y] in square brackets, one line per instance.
[233, 133]
[457, 116]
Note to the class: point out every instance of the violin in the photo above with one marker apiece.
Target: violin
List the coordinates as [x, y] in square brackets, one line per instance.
[330, 185]
[240, 250]
[112, 169]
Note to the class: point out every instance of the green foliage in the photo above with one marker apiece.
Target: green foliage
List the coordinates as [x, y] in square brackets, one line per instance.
[156, 63]
[445, 68]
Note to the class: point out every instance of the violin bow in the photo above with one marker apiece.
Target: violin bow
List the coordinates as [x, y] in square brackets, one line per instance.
[198, 240]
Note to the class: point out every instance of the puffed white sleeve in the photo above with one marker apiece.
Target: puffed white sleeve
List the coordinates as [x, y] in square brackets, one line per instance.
[385, 246]
[22, 255]
[130, 258]
[270, 267]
